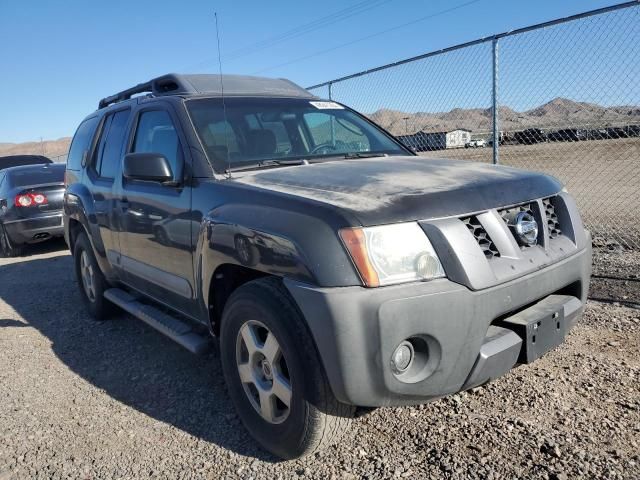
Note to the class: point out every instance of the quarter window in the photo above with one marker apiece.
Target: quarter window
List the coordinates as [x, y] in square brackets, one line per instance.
[81, 142]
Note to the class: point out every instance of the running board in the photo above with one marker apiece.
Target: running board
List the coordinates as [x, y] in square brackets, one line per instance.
[177, 330]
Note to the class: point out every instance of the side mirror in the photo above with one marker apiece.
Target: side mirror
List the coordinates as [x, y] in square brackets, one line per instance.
[150, 167]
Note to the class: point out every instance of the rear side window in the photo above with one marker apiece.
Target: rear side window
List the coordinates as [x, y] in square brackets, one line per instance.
[112, 140]
[157, 134]
[81, 143]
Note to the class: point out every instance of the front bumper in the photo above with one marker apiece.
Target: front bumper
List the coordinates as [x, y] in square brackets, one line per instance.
[35, 229]
[357, 329]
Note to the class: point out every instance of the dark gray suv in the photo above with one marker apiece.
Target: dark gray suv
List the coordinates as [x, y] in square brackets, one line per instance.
[337, 269]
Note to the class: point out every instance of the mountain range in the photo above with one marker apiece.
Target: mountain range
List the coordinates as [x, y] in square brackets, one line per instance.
[557, 113]
[49, 148]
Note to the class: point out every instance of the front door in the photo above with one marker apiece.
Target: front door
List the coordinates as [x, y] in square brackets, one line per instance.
[155, 219]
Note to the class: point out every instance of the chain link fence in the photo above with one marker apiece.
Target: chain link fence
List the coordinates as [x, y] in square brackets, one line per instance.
[561, 97]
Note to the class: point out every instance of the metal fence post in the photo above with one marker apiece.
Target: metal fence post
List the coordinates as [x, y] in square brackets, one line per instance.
[330, 85]
[494, 103]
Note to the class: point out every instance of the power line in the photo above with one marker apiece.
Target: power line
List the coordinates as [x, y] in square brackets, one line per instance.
[300, 30]
[367, 37]
[327, 20]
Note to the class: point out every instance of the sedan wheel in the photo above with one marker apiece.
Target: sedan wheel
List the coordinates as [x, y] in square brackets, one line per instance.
[7, 248]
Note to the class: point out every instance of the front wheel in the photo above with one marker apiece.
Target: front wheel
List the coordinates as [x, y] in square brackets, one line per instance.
[274, 374]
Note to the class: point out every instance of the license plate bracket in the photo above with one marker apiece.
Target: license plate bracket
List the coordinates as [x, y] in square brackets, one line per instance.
[542, 327]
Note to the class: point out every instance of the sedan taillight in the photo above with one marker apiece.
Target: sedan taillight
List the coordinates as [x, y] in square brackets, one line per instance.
[30, 199]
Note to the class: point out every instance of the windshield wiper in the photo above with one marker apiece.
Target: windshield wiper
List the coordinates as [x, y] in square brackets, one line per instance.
[364, 155]
[267, 163]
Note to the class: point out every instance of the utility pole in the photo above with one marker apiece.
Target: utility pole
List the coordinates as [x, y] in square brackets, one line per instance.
[406, 125]
[42, 146]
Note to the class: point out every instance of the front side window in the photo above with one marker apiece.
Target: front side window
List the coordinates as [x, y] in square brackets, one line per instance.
[156, 134]
[258, 130]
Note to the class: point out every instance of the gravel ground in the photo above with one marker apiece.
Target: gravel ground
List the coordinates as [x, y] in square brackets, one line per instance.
[616, 274]
[118, 400]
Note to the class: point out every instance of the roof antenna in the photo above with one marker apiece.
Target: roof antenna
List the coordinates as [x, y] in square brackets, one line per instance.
[224, 106]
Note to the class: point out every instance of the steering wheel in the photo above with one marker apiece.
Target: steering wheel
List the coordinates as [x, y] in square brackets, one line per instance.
[324, 148]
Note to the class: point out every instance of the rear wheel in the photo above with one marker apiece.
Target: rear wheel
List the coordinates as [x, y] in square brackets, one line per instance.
[90, 279]
[274, 373]
[7, 247]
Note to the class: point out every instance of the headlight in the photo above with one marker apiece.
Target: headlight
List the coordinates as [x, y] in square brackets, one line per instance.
[392, 254]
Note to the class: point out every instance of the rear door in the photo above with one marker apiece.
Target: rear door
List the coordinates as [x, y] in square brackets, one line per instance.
[155, 220]
[105, 164]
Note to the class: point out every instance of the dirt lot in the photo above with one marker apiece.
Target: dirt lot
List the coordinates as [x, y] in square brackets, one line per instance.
[117, 400]
[603, 176]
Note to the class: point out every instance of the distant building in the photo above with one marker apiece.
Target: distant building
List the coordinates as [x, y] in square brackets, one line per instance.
[425, 141]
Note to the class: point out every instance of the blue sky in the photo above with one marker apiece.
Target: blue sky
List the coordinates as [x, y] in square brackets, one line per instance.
[60, 58]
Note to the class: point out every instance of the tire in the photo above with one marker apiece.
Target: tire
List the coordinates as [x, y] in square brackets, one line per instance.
[7, 247]
[314, 418]
[92, 295]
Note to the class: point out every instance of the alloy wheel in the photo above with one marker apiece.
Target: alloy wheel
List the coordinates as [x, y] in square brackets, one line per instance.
[88, 276]
[263, 372]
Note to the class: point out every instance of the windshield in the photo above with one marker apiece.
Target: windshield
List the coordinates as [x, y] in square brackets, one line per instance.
[262, 130]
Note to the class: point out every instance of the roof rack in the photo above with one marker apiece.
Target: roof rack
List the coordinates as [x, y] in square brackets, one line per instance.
[158, 86]
[201, 84]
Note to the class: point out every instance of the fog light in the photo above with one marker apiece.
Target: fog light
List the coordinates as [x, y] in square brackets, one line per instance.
[402, 357]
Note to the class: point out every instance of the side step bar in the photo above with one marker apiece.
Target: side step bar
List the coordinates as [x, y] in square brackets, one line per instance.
[177, 330]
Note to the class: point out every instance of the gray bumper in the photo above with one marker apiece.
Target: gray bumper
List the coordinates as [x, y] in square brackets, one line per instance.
[357, 329]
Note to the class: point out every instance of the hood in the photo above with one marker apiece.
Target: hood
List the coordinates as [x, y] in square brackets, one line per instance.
[397, 189]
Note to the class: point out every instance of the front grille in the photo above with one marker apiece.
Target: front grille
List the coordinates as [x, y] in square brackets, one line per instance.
[545, 212]
[507, 213]
[482, 237]
[552, 218]
[511, 212]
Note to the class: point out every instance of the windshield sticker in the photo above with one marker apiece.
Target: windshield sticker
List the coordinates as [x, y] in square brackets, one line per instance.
[327, 105]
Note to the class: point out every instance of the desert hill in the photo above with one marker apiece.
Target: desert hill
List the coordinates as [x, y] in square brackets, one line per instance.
[49, 148]
[559, 112]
